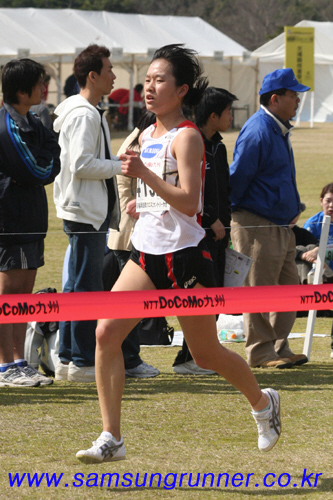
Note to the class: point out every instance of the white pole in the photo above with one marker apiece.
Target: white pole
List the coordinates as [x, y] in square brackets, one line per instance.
[312, 109]
[300, 109]
[131, 101]
[316, 280]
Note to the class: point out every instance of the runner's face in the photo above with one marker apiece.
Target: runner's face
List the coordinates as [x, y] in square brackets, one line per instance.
[161, 92]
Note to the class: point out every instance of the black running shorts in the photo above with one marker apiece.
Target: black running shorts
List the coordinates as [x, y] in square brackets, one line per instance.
[182, 269]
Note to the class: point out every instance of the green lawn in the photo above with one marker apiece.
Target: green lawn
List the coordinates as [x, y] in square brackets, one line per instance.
[181, 425]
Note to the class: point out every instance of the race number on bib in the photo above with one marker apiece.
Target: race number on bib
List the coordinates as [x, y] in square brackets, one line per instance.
[146, 199]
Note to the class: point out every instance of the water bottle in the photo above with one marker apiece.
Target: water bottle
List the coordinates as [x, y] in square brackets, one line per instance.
[310, 276]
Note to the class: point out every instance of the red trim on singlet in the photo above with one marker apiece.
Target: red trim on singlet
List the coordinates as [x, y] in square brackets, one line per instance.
[142, 261]
[168, 261]
[206, 255]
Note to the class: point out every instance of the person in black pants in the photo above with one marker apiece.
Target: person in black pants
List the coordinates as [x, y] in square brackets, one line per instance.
[212, 115]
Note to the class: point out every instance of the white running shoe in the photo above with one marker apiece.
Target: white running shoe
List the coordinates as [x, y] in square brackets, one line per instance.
[191, 368]
[60, 371]
[104, 449]
[34, 374]
[269, 422]
[142, 371]
[14, 377]
[84, 374]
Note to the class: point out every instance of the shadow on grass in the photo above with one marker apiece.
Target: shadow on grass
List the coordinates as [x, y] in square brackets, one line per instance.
[305, 378]
[283, 492]
[323, 485]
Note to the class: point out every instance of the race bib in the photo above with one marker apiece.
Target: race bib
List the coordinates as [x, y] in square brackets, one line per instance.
[146, 199]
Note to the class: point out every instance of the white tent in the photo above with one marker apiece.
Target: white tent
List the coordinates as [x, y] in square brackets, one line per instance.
[55, 36]
[271, 57]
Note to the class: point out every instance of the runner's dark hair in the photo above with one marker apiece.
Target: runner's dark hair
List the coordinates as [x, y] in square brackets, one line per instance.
[186, 69]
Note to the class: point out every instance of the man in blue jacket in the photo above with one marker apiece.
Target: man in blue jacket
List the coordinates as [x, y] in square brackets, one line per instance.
[265, 205]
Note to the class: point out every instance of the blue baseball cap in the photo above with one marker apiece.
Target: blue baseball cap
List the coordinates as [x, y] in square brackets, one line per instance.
[281, 79]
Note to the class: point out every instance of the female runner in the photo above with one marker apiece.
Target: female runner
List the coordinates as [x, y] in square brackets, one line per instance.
[169, 251]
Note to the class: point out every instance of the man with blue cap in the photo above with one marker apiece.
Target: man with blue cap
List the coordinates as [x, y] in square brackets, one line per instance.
[265, 205]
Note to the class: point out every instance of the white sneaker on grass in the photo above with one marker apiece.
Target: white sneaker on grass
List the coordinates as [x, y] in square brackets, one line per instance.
[142, 371]
[61, 371]
[34, 374]
[83, 374]
[269, 422]
[104, 449]
[14, 377]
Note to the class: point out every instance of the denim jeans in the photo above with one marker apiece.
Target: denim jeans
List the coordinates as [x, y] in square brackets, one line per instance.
[85, 269]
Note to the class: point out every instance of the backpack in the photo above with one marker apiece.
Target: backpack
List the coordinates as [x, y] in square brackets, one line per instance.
[41, 345]
[155, 331]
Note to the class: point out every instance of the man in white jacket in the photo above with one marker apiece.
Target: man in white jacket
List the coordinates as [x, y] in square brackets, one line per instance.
[86, 198]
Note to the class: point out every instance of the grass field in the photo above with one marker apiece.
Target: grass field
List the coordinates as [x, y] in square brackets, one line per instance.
[181, 425]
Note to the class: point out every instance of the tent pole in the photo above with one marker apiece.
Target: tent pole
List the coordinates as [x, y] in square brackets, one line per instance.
[58, 80]
[131, 98]
[230, 73]
[298, 120]
[256, 87]
[312, 109]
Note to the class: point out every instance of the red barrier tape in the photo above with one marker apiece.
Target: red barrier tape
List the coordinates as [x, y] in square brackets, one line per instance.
[154, 303]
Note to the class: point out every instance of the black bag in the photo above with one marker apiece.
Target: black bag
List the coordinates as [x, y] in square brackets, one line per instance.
[155, 331]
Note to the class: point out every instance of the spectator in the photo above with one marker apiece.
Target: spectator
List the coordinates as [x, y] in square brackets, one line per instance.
[121, 97]
[71, 86]
[265, 205]
[314, 226]
[29, 159]
[86, 198]
[41, 109]
[213, 114]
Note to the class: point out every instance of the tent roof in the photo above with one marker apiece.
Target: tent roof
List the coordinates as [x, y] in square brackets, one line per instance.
[274, 49]
[51, 34]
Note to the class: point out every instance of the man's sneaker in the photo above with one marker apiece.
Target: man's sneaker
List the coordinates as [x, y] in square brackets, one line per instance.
[61, 371]
[269, 422]
[14, 377]
[105, 449]
[142, 371]
[34, 374]
[82, 374]
[191, 368]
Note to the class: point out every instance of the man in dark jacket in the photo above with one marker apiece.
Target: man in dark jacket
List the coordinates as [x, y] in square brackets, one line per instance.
[213, 115]
[29, 159]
